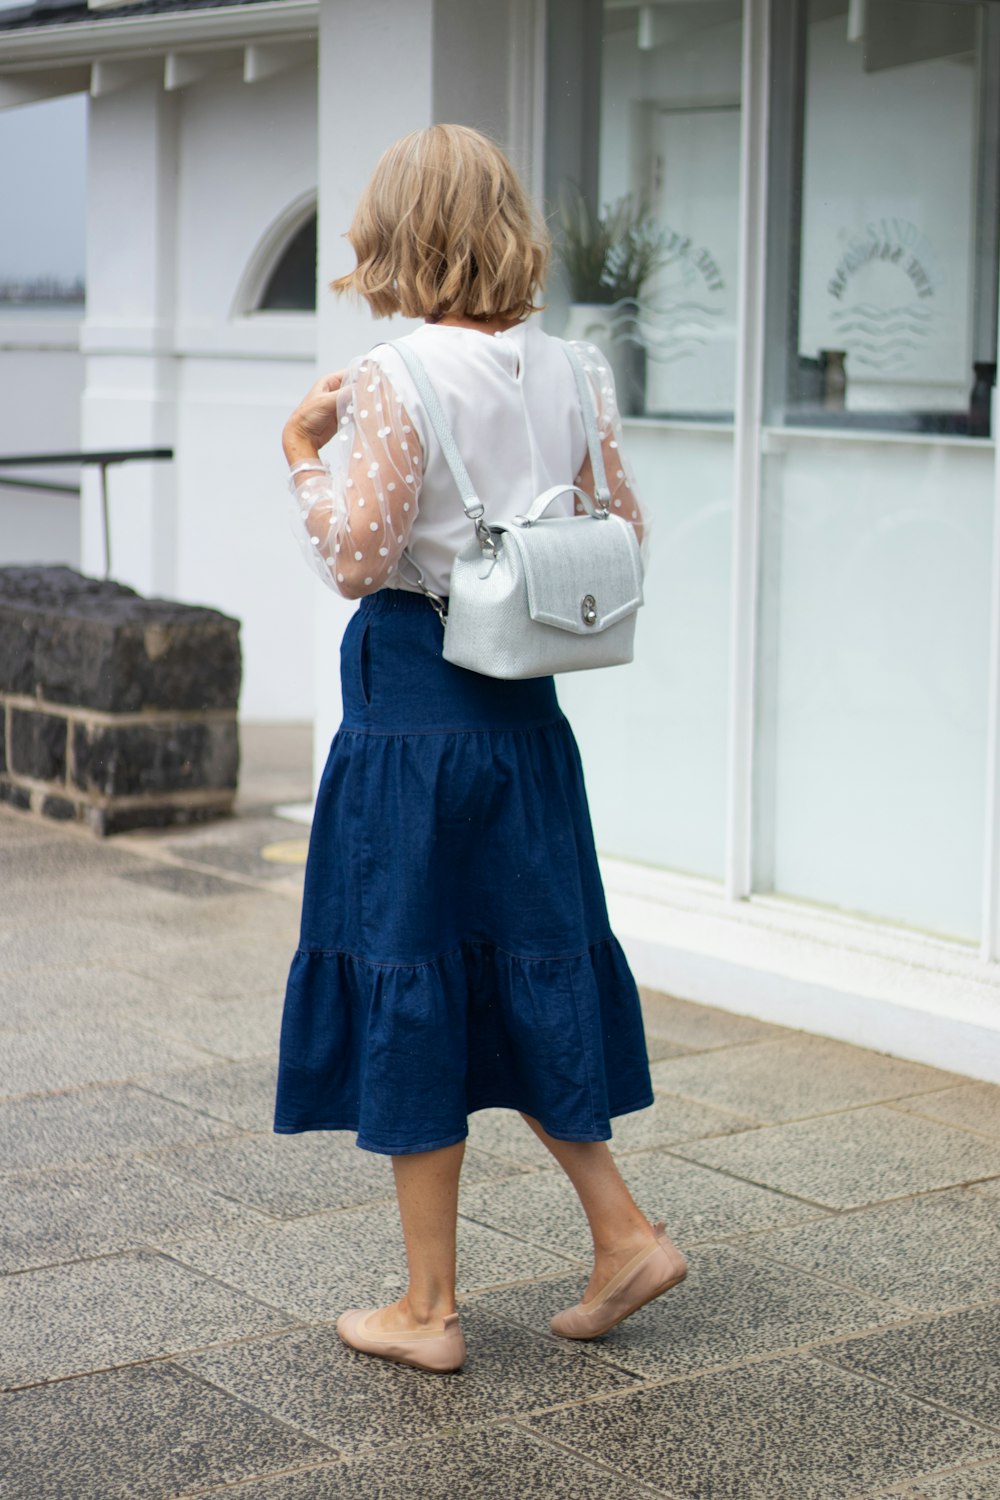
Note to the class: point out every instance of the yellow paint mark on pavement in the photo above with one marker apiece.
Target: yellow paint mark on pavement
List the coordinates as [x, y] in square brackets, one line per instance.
[287, 852]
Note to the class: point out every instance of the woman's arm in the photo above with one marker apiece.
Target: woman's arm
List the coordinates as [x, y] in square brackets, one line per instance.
[624, 500]
[356, 513]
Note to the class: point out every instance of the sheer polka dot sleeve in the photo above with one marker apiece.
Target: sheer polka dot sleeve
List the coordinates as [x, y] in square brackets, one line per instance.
[354, 518]
[621, 481]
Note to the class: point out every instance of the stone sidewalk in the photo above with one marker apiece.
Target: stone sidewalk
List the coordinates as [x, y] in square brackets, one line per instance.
[173, 1269]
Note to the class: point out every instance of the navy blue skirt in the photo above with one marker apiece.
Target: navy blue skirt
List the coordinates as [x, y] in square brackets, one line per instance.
[455, 952]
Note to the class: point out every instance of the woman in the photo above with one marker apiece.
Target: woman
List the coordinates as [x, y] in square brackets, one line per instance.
[455, 951]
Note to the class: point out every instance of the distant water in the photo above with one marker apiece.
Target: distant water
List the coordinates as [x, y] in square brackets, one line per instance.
[69, 312]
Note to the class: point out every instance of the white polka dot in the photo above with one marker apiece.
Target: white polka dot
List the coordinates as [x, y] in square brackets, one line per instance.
[337, 548]
[350, 483]
[405, 446]
[372, 386]
[373, 526]
[390, 486]
[618, 504]
[355, 455]
[364, 414]
[406, 504]
[409, 478]
[407, 429]
[383, 552]
[368, 580]
[635, 515]
[612, 445]
[358, 556]
[340, 577]
[361, 503]
[315, 541]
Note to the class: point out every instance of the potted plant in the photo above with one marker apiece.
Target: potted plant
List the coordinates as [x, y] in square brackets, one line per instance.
[608, 258]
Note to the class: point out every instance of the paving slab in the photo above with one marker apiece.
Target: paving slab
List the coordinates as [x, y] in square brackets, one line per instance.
[953, 1359]
[318, 1266]
[67, 1213]
[290, 1175]
[790, 1429]
[103, 1120]
[729, 1308]
[697, 1204]
[77, 1052]
[36, 999]
[224, 966]
[312, 1381]
[702, 1028]
[671, 1118]
[233, 1030]
[241, 1093]
[138, 1434]
[495, 1464]
[931, 1253]
[79, 939]
[65, 1320]
[796, 1077]
[980, 1483]
[853, 1159]
[503, 1133]
[973, 1106]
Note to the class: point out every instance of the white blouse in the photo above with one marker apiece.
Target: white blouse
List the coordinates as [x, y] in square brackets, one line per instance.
[511, 402]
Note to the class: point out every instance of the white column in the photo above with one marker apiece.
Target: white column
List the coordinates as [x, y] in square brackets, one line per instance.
[375, 85]
[385, 68]
[127, 335]
[747, 458]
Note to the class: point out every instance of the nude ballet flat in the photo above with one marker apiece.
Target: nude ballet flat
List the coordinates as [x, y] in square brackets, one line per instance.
[644, 1277]
[437, 1350]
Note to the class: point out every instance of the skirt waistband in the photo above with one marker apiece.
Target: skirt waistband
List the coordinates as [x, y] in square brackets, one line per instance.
[396, 601]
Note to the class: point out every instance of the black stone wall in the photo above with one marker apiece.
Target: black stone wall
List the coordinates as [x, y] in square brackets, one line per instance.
[114, 709]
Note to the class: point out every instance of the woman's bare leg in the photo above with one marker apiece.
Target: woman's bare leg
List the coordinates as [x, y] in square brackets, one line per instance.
[427, 1191]
[618, 1228]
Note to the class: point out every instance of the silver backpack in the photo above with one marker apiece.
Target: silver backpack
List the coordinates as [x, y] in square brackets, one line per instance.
[547, 593]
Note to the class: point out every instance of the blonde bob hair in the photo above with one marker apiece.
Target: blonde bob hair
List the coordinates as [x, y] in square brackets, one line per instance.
[444, 227]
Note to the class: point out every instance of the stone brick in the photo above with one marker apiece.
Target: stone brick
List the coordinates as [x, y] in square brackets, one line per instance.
[60, 808]
[126, 760]
[97, 644]
[15, 796]
[109, 820]
[38, 745]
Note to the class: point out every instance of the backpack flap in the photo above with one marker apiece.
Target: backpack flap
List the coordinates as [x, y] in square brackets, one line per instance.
[582, 573]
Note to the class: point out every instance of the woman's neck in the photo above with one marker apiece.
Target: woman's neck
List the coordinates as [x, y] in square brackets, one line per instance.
[482, 325]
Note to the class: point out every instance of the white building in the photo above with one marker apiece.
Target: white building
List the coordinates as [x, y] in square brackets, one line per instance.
[796, 784]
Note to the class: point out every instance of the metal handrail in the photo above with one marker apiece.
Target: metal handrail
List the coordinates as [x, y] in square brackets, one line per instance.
[102, 459]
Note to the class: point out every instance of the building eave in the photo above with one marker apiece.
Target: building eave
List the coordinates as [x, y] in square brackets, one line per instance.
[49, 47]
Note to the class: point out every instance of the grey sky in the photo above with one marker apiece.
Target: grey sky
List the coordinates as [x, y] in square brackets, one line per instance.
[42, 188]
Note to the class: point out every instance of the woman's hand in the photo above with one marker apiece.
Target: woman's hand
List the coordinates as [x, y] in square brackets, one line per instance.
[314, 421]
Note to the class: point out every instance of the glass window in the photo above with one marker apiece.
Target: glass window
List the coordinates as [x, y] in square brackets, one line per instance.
[291, 286]
[891, 261]
[658, 162]
[878, 479]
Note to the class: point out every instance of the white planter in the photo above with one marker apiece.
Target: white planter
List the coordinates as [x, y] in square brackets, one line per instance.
[613, 328]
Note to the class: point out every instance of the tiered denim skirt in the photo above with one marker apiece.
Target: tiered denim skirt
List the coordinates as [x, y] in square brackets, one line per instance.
[455, 952]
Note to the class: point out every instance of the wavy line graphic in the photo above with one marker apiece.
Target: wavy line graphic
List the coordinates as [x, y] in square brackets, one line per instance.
[874, 331]
[869, 310]
[866, 346]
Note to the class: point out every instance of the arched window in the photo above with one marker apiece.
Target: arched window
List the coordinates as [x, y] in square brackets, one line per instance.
[291, 286]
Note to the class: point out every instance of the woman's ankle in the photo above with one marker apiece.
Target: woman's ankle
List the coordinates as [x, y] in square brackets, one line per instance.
[427, 1310]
